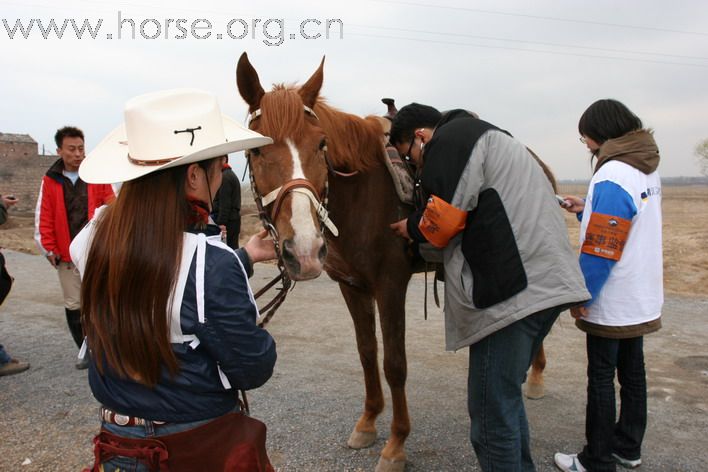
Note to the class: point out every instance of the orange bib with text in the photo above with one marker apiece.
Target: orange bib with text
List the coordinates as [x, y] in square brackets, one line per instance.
[441, 222]
[606, 236]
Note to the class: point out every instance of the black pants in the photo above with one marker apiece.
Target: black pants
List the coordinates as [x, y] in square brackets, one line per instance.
[605, 436]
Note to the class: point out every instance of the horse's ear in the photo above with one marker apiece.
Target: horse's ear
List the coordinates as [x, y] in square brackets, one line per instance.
[311, 89]
[249, 85]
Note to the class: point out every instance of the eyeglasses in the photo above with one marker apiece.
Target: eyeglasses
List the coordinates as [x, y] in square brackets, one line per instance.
[583, 140]
[407, 155]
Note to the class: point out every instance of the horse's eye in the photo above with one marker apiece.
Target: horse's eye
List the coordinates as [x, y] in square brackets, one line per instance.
[323, 145]
[255, 152]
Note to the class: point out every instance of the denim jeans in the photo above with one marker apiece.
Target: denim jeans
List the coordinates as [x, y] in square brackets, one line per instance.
[603, 435]
[497, 369]
[149, 430]
[4, 356]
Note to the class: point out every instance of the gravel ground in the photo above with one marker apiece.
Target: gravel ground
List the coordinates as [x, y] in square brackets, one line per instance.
[48, 416]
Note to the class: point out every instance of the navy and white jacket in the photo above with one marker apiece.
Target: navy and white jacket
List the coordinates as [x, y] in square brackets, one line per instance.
[214, 335]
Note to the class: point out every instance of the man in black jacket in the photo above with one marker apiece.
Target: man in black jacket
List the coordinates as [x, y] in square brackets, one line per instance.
[227, 206]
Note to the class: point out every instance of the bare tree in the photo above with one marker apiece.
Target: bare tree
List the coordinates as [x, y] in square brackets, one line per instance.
[701, 152]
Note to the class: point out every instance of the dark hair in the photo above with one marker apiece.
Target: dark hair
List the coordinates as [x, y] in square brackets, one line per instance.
[67, 132]
[607, 119]
[131, 272]
[411, 117]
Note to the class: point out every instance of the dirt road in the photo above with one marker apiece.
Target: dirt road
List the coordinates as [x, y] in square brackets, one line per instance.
[48, 416]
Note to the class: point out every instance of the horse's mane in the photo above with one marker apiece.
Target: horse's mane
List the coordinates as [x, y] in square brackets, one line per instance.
[282, 114]
[353, 143]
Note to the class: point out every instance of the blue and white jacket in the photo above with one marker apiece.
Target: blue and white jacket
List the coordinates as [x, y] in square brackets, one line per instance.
[625, 278]
[214, 335]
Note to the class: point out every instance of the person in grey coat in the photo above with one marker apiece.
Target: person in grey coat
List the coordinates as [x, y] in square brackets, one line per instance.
[509, 267]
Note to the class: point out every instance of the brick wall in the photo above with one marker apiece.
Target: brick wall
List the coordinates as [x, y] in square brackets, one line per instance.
[21, 175]
[17, 150]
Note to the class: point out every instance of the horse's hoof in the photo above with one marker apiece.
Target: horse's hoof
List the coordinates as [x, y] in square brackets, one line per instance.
[361, 439]
[534, 391]
[388, 465]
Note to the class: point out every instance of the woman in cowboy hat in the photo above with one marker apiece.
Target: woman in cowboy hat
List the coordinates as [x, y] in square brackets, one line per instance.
[168, 313]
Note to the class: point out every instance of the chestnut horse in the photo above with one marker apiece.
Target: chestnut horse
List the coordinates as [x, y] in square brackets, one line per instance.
[294, 177]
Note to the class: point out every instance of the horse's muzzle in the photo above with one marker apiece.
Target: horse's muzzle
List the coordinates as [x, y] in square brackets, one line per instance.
[304, 265]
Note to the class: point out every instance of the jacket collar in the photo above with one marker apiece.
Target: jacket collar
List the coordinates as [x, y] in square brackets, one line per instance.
[56, 171]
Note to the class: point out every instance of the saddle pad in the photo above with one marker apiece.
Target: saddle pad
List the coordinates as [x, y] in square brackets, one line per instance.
[402, 178]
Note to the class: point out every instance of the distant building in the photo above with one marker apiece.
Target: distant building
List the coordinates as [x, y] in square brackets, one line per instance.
[17, 146]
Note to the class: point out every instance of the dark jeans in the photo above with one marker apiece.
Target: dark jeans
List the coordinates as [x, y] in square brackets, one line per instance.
[4, 356]
[497, 369]
[603, 435]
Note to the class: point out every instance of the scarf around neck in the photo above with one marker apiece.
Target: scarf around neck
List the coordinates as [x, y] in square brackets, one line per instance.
[198, 214]
[636, 148]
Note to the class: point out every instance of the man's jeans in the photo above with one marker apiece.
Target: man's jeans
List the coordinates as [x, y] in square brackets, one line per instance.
[497, 369]
[602, 434]
[4, 356]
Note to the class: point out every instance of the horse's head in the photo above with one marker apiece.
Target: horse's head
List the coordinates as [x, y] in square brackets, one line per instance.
[291, 174]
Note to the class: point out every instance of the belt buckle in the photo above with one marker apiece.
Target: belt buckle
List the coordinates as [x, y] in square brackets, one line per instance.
[121, 420]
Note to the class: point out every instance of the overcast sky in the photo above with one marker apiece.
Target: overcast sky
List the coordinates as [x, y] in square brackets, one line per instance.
[529, 67]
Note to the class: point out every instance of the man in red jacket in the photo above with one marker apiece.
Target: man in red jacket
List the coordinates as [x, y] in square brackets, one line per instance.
[65, 204]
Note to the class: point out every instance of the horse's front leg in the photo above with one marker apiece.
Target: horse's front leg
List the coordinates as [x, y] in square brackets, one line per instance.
[391, 303]
[361, 308]
[534, 385]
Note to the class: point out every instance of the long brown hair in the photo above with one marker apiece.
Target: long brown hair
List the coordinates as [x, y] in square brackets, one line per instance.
[131, 273]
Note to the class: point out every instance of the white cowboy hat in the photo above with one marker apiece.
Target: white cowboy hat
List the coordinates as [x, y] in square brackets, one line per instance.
[166, 129]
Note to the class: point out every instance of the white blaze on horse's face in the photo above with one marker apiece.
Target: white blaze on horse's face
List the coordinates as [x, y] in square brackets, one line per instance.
[304, 250]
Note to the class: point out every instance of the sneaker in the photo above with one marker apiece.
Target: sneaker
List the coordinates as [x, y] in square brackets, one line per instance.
[627, 463]
[568, 462]
[82, 364]
[13, 367]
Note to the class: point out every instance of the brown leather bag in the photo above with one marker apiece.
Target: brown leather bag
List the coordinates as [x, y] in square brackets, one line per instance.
[234, 442]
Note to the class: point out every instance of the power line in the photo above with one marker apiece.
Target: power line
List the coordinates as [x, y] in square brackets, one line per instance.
[537, 17]
[541, 43]
[560, 53]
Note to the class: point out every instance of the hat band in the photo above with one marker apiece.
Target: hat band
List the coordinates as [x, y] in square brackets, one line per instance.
[158, 162]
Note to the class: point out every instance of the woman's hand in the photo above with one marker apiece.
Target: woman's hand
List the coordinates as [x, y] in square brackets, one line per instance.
[575, 204]
[260, 249]
[578, 312]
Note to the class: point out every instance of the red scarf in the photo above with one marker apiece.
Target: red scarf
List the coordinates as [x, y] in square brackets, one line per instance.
[199, 213]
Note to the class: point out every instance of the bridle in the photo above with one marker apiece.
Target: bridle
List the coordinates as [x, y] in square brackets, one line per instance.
[275, 198]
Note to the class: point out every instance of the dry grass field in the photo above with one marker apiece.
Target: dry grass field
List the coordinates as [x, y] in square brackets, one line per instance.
[685, 235]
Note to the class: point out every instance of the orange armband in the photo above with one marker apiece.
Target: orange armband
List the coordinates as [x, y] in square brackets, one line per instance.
[441, 222]
[606, 236]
